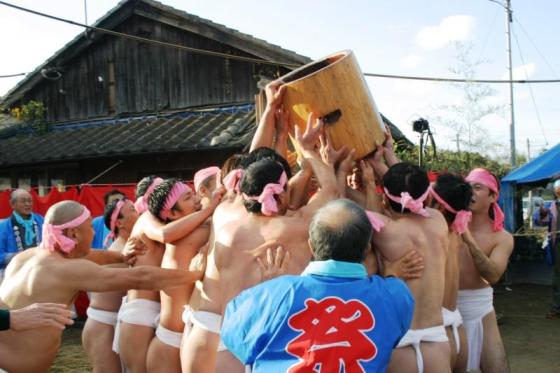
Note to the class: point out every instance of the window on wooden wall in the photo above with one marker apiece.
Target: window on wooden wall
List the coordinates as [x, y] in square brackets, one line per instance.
[42, 186]
[59, 183]
[5, 183]
[24, 183]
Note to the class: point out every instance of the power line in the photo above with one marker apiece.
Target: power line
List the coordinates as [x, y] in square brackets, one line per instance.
[488, 34]
[458, 80]
[12, 75]
[265, 62]
[535, 46]
[530, 88]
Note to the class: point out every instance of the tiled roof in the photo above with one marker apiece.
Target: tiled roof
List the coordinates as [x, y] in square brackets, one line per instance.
[218, 128]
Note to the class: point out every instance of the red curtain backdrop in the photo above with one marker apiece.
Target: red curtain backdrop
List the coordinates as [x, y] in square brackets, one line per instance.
[90, 196]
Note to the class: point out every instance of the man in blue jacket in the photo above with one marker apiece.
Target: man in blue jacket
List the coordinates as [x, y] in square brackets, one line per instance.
[21, 230]
[332, 318]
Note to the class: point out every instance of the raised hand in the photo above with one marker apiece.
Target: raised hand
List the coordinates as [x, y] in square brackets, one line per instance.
[348, 163]
[310, 137]
[368, 177]
[217, 196]
[388, 144]
[328, 153]
[274, 92]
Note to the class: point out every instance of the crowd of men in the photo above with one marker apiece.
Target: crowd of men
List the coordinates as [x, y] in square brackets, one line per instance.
[343, 266]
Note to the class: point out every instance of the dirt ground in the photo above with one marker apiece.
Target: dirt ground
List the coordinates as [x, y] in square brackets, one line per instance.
[532, 342]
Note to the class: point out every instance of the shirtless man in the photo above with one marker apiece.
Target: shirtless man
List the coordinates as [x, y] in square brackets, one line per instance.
[483, 258]
[451, 195]
[409, 226]
[55, 272]
[139, 315]
[99, 329]
[231, 263]
[163, 353]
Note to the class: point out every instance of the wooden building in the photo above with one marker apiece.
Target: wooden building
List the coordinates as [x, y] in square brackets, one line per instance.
[123, 108]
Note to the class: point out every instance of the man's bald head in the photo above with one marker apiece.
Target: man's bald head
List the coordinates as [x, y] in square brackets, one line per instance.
[63, 212]
[340, 231]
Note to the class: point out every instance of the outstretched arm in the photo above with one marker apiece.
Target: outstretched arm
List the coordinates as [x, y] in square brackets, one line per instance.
[87, 276]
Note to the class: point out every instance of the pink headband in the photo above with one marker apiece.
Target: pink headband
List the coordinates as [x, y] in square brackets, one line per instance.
[141, 204]
[376, 223]
[231, 182]
[462, 217]
[114, 217]
[174, 194]
[204, 174]
[266, 199]
[414, 205]
[52, 234]
[482, 176]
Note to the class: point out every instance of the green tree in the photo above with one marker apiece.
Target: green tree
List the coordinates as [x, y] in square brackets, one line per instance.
[465, 118]
[456, 162]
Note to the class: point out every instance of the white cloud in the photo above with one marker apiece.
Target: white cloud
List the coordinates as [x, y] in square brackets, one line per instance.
[452, 28]
[411, 61]
[522, 71]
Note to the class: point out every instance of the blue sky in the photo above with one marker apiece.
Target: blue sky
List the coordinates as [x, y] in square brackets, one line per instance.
[392, 37]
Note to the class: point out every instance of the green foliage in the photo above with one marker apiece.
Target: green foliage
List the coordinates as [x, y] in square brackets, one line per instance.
[33, 113]
[461, 163]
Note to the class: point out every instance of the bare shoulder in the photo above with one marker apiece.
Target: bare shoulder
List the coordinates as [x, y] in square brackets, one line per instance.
[436, 215]
[198, 236]
[504, 240]
[24, 256]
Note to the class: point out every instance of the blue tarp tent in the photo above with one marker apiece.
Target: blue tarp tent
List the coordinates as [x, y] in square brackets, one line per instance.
[540, 169]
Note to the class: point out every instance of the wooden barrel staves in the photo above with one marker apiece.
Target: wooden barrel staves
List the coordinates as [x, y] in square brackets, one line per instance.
[334, 88]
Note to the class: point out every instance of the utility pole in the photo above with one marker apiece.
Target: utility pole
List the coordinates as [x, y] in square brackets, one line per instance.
[528, 150]
[457, 140]
[509, 20]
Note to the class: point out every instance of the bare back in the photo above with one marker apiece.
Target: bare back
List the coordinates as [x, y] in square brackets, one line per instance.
[428, 236]
[152, 257]
[235, 247]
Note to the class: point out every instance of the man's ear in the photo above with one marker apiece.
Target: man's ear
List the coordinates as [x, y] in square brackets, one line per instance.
[310, 247]
[72, 233]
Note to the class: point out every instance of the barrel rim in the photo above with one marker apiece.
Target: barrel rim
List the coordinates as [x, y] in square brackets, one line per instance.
[344, 53]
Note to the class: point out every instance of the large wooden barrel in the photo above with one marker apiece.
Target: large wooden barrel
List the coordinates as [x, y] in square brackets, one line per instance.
[334, 88]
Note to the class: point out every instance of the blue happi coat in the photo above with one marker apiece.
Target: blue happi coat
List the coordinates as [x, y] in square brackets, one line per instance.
[333, 318]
